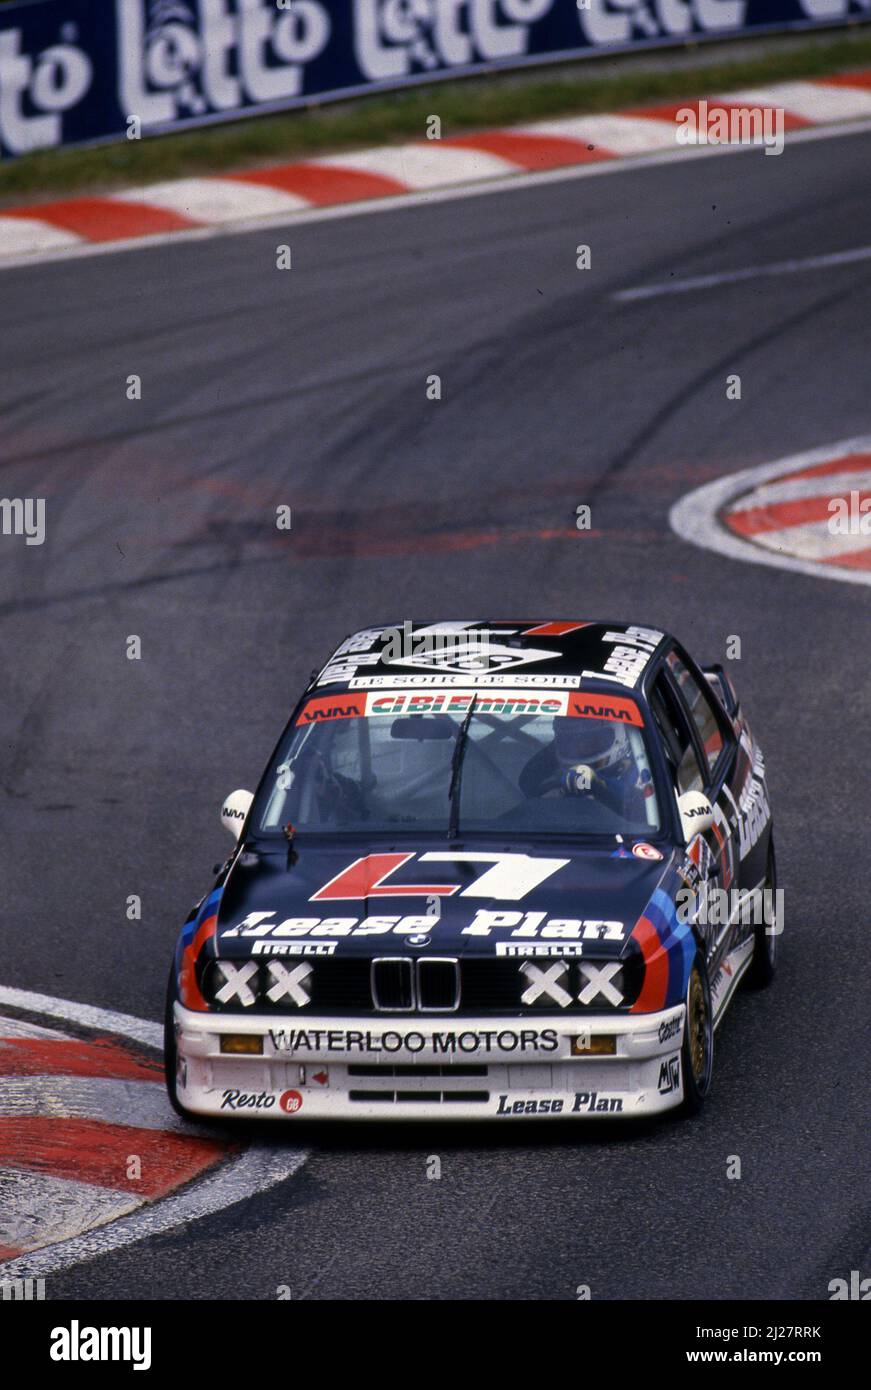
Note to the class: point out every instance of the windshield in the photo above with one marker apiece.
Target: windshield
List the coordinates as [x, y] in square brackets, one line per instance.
[534, 762]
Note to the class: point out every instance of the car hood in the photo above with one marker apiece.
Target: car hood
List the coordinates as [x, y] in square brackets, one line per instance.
[373, 900]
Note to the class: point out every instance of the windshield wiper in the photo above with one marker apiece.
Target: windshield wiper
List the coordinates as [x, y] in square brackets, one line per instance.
[456, 771]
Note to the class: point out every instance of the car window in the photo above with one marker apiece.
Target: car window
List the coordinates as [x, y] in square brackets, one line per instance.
[676, 737]
[345, 747]
[530, 762]
[700, 709]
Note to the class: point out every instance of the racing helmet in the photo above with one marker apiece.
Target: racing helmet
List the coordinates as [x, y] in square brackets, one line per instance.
[598, 744]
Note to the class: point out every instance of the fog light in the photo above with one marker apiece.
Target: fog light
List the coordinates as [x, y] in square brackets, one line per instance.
[247, 1043]
[594, 1045]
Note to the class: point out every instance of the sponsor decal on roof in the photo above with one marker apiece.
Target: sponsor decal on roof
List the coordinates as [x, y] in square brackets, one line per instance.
[474, 655]
[483, 678]
[557, 629]
[631, 650]
[444, 647]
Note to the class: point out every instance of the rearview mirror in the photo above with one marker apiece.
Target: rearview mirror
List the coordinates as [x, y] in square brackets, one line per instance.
[420, 726]
[696, 814]
[234, 812]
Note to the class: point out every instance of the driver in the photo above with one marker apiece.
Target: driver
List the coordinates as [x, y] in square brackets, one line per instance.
[588, 757]
[337, 799]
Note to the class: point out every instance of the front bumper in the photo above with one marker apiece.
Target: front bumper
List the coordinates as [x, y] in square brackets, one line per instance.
[423, 1067]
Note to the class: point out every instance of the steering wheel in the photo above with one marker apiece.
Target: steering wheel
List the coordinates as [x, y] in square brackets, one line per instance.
[554, 780]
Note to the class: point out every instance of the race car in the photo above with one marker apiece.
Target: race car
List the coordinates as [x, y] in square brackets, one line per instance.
[493, 870]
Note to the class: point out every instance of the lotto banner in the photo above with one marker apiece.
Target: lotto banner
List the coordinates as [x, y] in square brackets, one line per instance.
[80, 71]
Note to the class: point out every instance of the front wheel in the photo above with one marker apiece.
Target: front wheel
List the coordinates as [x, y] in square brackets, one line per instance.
[697, 1050]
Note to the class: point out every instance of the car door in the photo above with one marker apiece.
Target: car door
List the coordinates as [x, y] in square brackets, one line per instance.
[701, 734]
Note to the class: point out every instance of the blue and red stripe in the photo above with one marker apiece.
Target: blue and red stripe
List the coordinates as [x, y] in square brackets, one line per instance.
[669, 949]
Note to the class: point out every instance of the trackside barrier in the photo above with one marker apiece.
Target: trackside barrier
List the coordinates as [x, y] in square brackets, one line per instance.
[78, 72]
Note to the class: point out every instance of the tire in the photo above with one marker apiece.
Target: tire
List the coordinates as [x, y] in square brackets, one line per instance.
[697, 1049]
[764, 961]
[170, 1056]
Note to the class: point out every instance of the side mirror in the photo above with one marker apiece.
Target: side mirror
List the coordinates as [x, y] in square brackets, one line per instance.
[696, 814]
[234, 812]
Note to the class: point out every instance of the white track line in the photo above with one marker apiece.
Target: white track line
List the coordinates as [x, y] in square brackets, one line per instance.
[151, 1034]
[695, 517]
[514, 183]
[254, 1171]
[753, 272]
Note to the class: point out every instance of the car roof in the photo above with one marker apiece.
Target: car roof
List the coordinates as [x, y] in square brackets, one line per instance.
[545, 652]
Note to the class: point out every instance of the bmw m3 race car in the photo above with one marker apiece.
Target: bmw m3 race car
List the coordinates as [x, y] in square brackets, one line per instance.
[492, 870]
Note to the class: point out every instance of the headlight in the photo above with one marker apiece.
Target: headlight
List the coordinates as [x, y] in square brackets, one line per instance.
[288, 984]
[231, 984]
[601, 983]
[546, 985]
[586, 984]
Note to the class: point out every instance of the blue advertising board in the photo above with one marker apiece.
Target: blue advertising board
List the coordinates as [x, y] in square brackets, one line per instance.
[80, 71]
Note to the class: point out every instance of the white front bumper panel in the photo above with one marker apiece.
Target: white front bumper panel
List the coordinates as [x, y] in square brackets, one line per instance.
[423, 1067]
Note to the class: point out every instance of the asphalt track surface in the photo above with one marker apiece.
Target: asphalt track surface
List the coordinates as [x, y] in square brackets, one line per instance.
[308, 388]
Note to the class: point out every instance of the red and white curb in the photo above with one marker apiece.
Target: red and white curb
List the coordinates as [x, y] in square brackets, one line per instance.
[810, 513]
[74, 1111]
[418, 168]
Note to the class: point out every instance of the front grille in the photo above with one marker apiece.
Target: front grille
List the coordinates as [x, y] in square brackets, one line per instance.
[476, 986]
[400, 984]
[487, 985]
[393, 985]
[438, 985]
